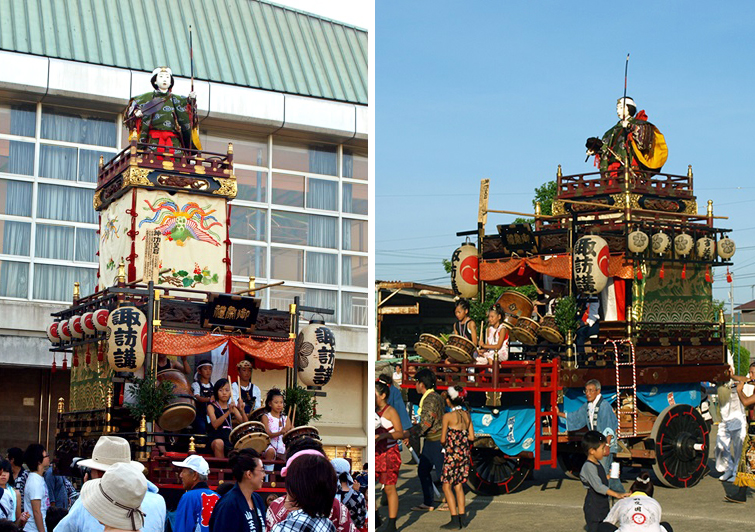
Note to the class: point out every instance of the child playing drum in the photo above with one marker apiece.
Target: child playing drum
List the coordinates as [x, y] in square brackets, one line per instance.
[276, 424]
[220, 411]
[465, 326]
[497, 338]
[202, 390]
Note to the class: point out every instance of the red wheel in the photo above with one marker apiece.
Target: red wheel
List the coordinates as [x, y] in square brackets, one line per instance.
[681, 446]
[494, 473]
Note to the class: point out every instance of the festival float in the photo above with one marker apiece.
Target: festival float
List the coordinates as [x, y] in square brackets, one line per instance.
[165, 288]
[632, 236]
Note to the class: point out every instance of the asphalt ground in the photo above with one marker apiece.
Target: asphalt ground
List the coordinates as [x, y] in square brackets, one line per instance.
[553, 503]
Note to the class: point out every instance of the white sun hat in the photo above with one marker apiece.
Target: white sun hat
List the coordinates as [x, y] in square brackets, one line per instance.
[115, 499]
[195, 463]
[108, 451]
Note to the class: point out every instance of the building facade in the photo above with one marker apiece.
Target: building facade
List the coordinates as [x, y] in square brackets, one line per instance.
[288, 91]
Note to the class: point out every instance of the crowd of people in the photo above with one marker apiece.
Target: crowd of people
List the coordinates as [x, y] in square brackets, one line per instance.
[321, 494]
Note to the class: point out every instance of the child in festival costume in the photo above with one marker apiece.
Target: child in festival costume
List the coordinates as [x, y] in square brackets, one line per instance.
[456, 436]
[276, 424]
[220, 412]
[497, 338]
[249, 393]
[202, 390]
[638, 512]
[595, 480]
[746, 469]
[388, 431]
[464, 326]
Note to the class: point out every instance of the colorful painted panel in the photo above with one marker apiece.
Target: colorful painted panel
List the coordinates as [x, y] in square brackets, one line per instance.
[672, 299]
[115, 243]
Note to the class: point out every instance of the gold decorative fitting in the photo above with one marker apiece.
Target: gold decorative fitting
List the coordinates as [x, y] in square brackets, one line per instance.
[192, 447]
[710, 207]
[76, 290]
[557, 208]
[122, 272]
[136, 176]
[689, 170]
[133, 135]
[97, 201]
[230, 147]
[102, 162]
[168, 165]
[61, 405]
[690, 207]
[558, 172]
[199, 169]
[227, 188]
[538, 209]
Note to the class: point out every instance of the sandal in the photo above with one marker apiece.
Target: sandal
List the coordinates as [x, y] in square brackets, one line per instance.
[443, 507]
[423, 508]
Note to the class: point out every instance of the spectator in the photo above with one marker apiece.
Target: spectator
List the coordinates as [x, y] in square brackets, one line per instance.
[36, 498]
[388, 431]
[352, 499]
[19, 474]
[637, 513]
[241, 509]
[10, 500]
[456, 436]
[56, 487]
[115, 500]
[430, 425]
[8, 526]
[195, 507]
[361, 480]
[311, 484]
[109, 451]
[595, 480]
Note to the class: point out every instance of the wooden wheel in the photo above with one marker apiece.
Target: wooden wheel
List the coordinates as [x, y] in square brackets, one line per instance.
[681, 446]
[494, 473]
[571, 458]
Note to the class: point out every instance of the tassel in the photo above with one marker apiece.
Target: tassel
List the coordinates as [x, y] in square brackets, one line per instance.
[75, 358]
[662, 274]
[684, 271]
[54, 365]
[707, 274]
[521, 268]
[728, 275]
[639, 271]
[88, 357]
[100, 352]
[65, 363]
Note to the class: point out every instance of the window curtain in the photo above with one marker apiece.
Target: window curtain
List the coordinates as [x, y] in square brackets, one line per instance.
[57, 162]
[16, 238]
[89, 164]
[322, 232]
[354, 309]
[348, 164]
[346, 237]
[20, 158]
[321, 299]
[323, 160]
[346, 277]
[322, 268]
[54, 242]
[18, 196]
[14, 279]
[23, 120]
[79, 128]
[322, 194]
[55, 283]
[86, 245]
[66, 203]
[348, 198]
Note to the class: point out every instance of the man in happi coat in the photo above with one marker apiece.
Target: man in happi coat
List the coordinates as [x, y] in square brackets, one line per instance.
[163, 118]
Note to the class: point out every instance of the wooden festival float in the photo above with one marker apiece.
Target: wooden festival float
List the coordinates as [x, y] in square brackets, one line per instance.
[633, 237]
[164, 288]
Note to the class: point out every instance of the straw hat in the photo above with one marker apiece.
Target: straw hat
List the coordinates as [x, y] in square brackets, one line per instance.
[115, 499]
[108, 451]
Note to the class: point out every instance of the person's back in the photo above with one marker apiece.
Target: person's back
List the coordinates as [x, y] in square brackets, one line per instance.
[195, 509]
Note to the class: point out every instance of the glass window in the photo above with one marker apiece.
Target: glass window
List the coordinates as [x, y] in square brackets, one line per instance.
[66, 203]
[16, 157]
[55, 283]
[16, 238]
[81, 127]
[57, 162]
[15, 197]
[353, 308]
[355, 198]
[251, 151]
[322, 194]
[354, 235]
[288, 190]
[252, 184]
[282, 296]
[287, 264]
[14, 279]
[354, 271]
[248, 223]
[304, 229]
[314, 158]
[248, 261]
[18, 119]
[354, 163]
[54, 242]
[86, 245]
[322, 268]
[89, 164]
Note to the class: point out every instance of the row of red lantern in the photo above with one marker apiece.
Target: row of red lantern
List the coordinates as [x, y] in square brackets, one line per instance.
[77, 327]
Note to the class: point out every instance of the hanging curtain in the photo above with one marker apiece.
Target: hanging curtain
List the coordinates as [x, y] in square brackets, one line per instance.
[18, 196]
[23, 120]
[57, 162]
[20, 158]
[346, 271]
[54, 242]
[354, 308]
[322, 268]
[322, 231]
[66, 203]
[348, 197]
[16, 238]
[14, 279]
[86, 245]
[322, 194]
[348, 164]
[78, 127]
[323, 160]
[346, 237]
[89, 164]
[55, 283]
[321, 299]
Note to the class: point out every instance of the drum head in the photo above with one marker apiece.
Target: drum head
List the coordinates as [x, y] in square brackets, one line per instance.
[177, 417]
[258, 441]
[256, 415]
[245, 428]
[554, 336]
[427, 352]
[459, 355]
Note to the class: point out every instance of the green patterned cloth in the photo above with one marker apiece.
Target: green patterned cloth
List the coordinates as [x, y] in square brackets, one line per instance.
[616, 139]
[673, 299]
[174, 115]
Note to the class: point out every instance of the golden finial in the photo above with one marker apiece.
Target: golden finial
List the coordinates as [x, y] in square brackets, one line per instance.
[61, 405]
[143, 424]
[102, 162]
[251, 285]
[710, 208]
[292, 312]
[76, 290]
[721, 319]
[558, 172]
[192, 447]
[538, 209]
[689, 170]
[230, 147]
[122, 272]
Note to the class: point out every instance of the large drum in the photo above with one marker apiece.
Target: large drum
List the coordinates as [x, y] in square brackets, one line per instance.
[460, 349]
[549, 330]
[429, 347]
[300, 432]
[250, 435]
[256, 415]
[180, 412]
[526, 331]
[514, 305]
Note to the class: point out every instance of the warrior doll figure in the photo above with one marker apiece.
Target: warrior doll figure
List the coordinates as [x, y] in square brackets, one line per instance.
[163, 118]
[633, 141]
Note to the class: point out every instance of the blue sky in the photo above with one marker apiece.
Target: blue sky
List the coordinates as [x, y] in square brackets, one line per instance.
[510, 90]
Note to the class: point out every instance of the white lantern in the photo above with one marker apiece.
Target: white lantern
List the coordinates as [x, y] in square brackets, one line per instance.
[683, 244]
[726, 248]
[100, 319]
[126, 338]
[87, 323]
[660, 243]
[74, 324]
[591, 257]
[638, 241]
[705, 248]
[464, 271]
[52, 333]
[64, 331]
[316, 353]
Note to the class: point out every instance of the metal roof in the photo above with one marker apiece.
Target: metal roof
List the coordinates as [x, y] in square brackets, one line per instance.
[251, 43]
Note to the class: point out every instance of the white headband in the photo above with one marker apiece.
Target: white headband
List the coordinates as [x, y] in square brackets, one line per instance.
[156, 71]
[453, 393]
[643, 480]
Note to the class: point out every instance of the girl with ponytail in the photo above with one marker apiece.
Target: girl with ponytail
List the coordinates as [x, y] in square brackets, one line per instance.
[456, 436]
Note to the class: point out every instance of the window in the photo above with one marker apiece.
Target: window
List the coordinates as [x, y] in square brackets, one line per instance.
[55, 283]
[18, 119]
[252, 184]
[287, 264]
[355, 198]
[322, 194]
[248, 261]
[354, 235]
[16, 238]
[354, 271]
[310, 158]
[252, 151]
[304, 229]
[14, 279]
[354, 163]
[86, 245]
[16, 157]
[322, 268]
[248, 223]
[54, 242]
[288, 190]
[353, 308]
[15, 197]
[81, 127]
[66, 203]
[282, 296]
